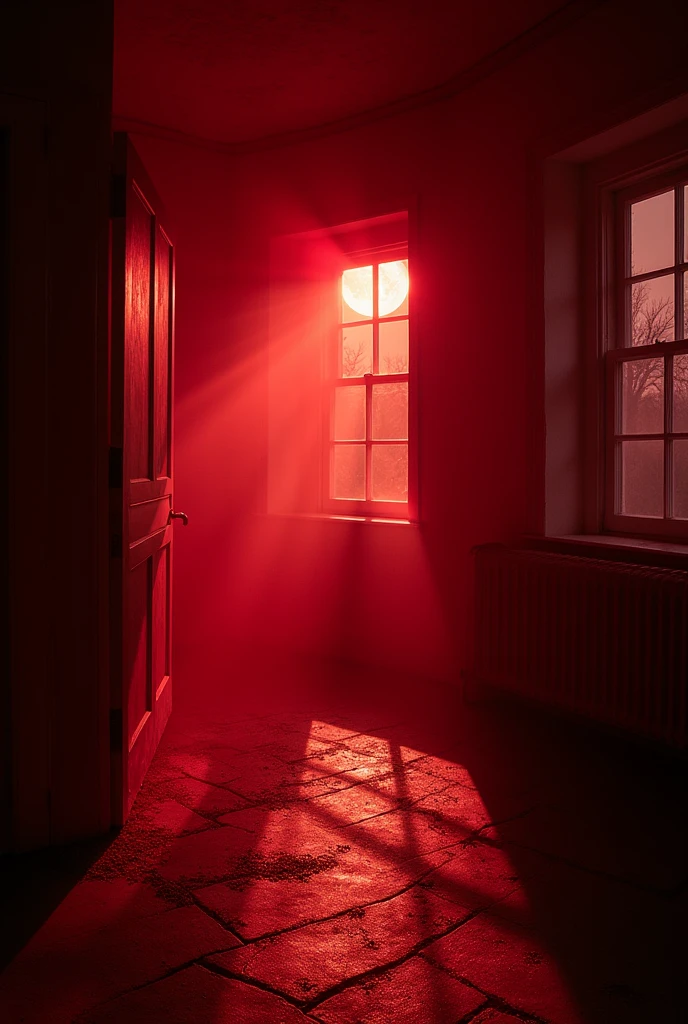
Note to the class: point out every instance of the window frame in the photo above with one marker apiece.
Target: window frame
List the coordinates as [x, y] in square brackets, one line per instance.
[613, 286]
[368, 508]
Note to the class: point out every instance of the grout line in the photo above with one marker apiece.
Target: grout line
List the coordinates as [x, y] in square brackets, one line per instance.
[504, 821]
[246, 980]
[214, 916]
[342, 913]
[493, 1001]
[177, 969]
[374, 972]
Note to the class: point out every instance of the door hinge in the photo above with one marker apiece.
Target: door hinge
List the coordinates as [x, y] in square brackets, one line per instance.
[118, 195]
[116, 729]
[115, 468]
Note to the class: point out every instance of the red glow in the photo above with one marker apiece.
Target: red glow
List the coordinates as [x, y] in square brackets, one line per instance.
[321, 835]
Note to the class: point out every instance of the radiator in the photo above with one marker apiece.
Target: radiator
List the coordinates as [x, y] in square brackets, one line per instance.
[606, 640]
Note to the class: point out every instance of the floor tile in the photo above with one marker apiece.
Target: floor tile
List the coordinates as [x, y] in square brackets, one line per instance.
[414, 993]
[193, 995]
[305, 962]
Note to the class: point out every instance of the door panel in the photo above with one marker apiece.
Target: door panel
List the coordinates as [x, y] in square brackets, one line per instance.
[162, 405]
[138, 648]
[161, 621]
[147, 517]
[142, 375]
[138, 369]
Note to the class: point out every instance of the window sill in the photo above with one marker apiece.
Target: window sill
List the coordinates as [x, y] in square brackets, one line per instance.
[335, 517]
[615, 547]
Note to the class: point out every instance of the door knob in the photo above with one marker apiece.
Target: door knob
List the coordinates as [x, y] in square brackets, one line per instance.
[179, 515]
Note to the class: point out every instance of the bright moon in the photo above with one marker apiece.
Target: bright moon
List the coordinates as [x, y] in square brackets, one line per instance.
[357, 288]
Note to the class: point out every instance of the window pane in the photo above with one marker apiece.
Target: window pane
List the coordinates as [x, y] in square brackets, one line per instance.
[642, 404]
[349, 414]
[389, 472]
[356, 351]
[652, 310]
[652, 233]
[685, 222]
[684, 326]
[642, 478]
[394, 344]
[348, 471]
[393, 284]
[357, 294]
[680, 478]
[680, 393]
[390, 411]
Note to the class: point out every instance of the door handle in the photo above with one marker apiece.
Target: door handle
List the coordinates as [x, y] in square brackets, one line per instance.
[179, 515]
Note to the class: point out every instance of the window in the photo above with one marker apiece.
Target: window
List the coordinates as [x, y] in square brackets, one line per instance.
[646, 369]
[366, 429]
[341, 366]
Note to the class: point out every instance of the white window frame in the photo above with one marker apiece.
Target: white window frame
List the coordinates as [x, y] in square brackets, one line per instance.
[615, 281]
[369, 507]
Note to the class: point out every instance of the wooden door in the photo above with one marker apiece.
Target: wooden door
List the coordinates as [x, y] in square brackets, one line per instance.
[141, 458]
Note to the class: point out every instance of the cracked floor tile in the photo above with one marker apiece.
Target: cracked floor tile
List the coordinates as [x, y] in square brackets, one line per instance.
[414, 993]
[305, 962]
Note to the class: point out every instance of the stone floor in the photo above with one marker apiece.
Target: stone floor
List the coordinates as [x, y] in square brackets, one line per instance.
[351, 851]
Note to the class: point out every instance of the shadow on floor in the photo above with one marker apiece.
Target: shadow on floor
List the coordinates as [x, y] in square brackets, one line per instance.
[333, 844]
[35, 883]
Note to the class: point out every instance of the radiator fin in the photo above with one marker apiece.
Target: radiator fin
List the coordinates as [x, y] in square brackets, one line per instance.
[604, 639]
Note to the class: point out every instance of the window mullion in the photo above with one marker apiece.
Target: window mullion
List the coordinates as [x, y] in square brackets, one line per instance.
[654, 351]
[623, 334]
[679, 329]
[668, 444]
[615, 422]
[376, 319]
[369, 382]
[650, 275]
[369, 434]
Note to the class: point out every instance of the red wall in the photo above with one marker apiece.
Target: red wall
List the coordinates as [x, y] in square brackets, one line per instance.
[385, 594]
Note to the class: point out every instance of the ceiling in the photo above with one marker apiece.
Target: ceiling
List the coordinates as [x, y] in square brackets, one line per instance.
[238, 71]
